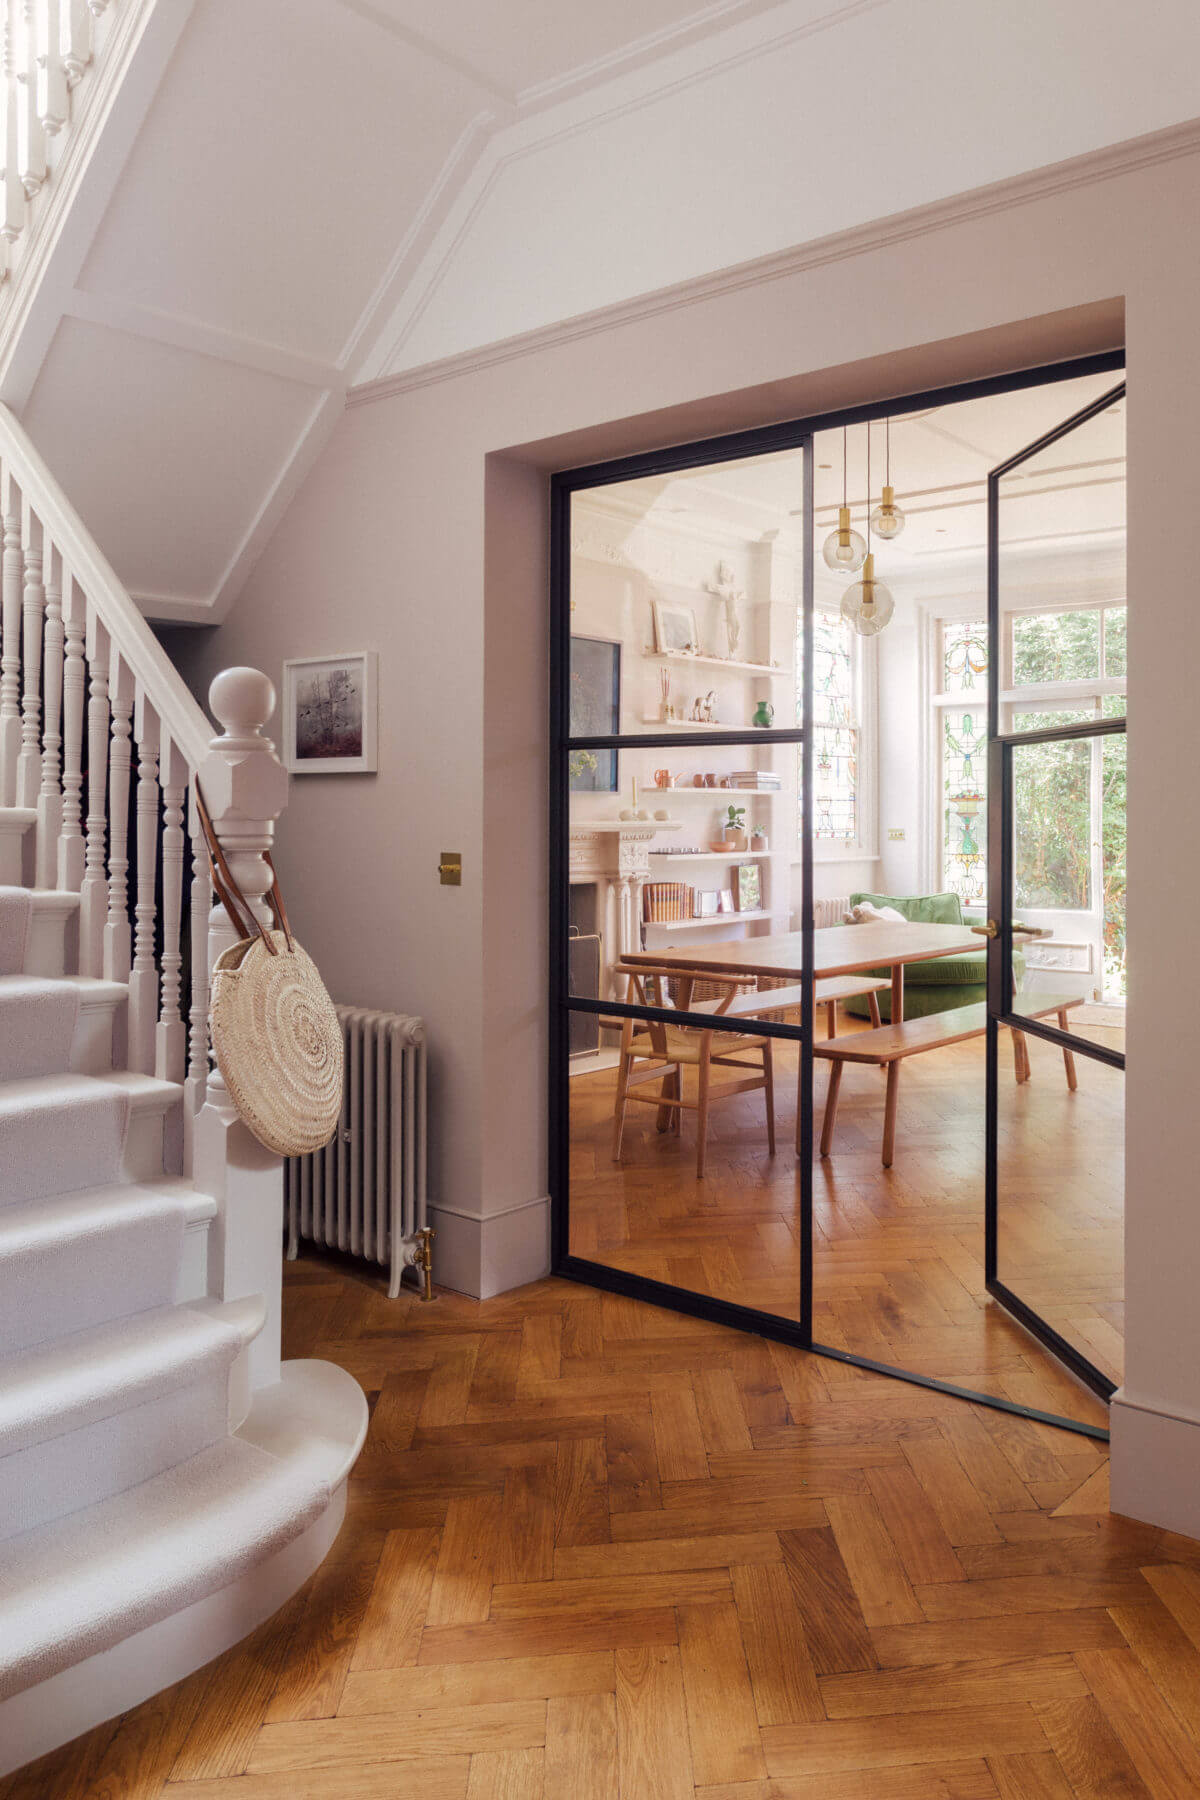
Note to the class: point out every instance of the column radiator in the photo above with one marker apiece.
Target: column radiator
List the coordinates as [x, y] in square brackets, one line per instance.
[365, 1192]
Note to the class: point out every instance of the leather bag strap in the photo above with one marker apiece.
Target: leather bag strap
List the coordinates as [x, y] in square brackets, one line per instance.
[241, 914]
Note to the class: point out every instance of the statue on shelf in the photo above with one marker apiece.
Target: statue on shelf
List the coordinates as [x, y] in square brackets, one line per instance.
[729, 594]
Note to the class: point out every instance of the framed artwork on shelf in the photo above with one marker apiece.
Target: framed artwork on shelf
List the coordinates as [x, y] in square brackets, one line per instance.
[330, 714]
[749, 887]
[595, 712]
[725, 904]
[675, 627]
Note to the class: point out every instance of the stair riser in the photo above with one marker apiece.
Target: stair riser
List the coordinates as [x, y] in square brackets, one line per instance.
[15, 861]
[95, 1048]
[53, 940]
[80, 1468]
[151, 1148]
[108, 1275]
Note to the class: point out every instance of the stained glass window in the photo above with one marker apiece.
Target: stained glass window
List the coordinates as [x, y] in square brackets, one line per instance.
[835, 729]
[964, 671]
[964, 657]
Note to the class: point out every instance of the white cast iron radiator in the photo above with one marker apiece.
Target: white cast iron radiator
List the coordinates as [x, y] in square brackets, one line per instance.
[365, 1191]
[830, 912]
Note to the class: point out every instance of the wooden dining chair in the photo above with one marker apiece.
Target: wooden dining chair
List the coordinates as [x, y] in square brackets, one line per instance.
[658, 1051]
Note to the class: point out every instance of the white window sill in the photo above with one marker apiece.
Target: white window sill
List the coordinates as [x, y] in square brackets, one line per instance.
[838, 854]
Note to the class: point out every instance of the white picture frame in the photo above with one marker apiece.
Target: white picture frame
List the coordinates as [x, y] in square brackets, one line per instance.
[331, 714]
[675, 628]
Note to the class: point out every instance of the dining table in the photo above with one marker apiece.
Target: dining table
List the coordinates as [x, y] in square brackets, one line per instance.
[837, 950]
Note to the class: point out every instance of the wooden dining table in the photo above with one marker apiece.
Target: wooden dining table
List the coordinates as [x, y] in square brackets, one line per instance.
[837, 950]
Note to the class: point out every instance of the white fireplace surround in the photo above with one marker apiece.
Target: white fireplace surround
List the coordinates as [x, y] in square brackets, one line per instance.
[615, 855]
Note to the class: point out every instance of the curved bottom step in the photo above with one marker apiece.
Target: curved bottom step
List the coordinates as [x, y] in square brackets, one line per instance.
[313, 1425]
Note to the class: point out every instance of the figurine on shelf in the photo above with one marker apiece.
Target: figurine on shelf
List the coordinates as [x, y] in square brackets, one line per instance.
[729, 594]
[710, 707]
[696, 716]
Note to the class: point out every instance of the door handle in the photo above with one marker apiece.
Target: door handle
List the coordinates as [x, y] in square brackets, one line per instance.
[991, 930]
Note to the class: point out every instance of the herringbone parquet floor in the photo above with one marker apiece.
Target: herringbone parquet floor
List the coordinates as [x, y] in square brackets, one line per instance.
[596, 1551]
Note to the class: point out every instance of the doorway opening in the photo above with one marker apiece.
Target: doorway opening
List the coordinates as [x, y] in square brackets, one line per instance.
[908, 1161]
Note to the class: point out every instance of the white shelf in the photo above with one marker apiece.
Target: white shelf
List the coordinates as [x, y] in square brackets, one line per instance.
[714, 662]
[698, 725]
[724, 794]
[725, 856]
[733, 918]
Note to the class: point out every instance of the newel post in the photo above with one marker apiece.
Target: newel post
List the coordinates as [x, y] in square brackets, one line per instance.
[245, 787]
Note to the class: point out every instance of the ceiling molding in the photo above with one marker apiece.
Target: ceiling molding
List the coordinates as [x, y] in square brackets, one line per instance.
[861, 240]
[741, 41]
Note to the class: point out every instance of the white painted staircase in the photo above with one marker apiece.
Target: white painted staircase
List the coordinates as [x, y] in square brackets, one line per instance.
[165, 1483]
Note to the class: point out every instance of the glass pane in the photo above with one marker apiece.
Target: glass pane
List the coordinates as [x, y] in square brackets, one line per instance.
[835, 728]
[964, 787]
[1062, 528]
[1061, 646]
[1114, 641]
[1112, 840]
[692, 581]
[1052, 827]
[1061, 1193]
[964, 657]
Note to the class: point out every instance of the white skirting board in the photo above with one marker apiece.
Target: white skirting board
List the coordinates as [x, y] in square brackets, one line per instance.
[483, 1255]
[1155, 1467]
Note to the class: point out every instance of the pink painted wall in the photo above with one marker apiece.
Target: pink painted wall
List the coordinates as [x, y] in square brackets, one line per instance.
[408, 539]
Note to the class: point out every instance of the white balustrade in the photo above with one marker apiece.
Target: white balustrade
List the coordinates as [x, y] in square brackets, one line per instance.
[46, 47]
[102, 743]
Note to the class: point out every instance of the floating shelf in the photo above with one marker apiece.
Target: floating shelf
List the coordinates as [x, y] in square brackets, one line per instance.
[715, 662]
[733, 918]
[725, 856]
[720, 793]
[696, 725]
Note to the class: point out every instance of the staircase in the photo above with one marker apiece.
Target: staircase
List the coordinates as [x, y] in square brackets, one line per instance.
[165, 1483]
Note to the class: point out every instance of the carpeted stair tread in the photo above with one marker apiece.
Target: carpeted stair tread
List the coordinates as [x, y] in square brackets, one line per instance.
[76, 1587]
[70, 1382]
[63, 1132]
[38, 1018]
[114, 1250]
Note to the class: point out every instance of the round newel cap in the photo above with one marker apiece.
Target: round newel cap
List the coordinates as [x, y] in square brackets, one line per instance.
[242, 700]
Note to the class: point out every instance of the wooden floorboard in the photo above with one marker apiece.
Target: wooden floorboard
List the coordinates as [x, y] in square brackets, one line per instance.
[595, 1551]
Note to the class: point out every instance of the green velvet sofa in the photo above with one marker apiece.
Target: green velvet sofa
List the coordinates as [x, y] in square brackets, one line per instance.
[944, 982]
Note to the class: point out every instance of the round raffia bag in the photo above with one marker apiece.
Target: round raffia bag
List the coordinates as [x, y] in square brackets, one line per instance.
[275, 1034]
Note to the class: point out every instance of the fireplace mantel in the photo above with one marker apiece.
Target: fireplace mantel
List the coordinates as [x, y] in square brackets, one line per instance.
[615, 854]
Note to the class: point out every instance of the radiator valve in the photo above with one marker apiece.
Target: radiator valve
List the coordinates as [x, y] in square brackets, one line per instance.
[424, 1259]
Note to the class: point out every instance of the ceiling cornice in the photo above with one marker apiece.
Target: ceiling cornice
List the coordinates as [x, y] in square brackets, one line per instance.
[1056, 178]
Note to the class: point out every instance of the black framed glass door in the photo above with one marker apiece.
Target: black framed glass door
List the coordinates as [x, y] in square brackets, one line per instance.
[1056, 828]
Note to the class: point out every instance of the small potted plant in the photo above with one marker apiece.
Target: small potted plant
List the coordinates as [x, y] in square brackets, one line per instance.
[758, 838]
[734, 829]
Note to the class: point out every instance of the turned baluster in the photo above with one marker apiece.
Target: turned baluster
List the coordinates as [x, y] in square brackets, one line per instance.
[201, 900]
[170, 1038]
[29, 763]
[93, 897]
[49, 801]
[143, 975]
[74, 38]
[11, 570]
[70, 842]
[116, 930]
[53, 104]
[31, 138]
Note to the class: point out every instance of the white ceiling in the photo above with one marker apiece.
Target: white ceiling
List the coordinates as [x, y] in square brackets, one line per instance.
[325, 190]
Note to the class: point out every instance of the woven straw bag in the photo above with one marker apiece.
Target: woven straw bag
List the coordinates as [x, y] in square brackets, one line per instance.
[275, 1033]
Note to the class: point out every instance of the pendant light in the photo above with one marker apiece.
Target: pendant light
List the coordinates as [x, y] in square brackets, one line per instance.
[868, 604]
[887, 519]
[844, 548]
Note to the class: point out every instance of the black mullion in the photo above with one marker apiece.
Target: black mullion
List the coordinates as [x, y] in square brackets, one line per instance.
[1059, 1346]
[684, 740]
[668, 1015]
[1090, 411]
[1053, 734]
[559, 1071]
[807, 944]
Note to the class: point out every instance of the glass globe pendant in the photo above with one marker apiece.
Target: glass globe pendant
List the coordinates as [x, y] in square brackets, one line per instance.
[844, 548]
[868, 605]
[887, 520]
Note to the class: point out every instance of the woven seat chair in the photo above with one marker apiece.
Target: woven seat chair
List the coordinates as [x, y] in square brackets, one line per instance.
[657, 1051]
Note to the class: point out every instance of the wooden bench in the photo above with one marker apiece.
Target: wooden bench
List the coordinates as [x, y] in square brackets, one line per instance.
[767, 1001]
[888, 1045]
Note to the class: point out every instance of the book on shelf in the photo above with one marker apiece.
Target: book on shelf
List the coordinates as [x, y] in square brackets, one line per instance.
[666, 902]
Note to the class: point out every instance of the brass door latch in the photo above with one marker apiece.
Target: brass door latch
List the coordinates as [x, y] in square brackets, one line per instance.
[450, 868]
[991, 930]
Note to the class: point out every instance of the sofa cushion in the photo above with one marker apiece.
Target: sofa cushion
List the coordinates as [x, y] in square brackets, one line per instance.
[919, 909]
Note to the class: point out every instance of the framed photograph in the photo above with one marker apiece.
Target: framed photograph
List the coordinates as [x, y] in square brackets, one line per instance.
[675, 627]
[330, 713]
[595, 712]
[725, 904]
[749, 887]
[707, 899]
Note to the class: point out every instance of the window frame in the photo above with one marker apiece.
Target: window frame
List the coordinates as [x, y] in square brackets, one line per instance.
[864, 676]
